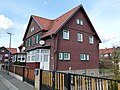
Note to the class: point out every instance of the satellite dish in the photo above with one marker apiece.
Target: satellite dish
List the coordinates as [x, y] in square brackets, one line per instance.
[23, 48]
[42, 42]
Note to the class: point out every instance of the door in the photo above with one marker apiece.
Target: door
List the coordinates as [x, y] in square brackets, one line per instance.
[45, 59]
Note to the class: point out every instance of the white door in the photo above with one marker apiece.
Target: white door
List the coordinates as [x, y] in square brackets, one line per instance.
[45, 59]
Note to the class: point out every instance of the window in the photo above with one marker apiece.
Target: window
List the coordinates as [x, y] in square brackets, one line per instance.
[60, 56]
[64, 56]
[37, 39]
[1, 56]
[83, 72]
[37, 55]
[92, 73]
[79, 37]
[79, 22]
[91, 39]
[46, 57]
[28, 56]
[30, 41]
[84, 57]
[66, 34]
[33, 55]
[6, 55]
[32, 29]
[2, 51]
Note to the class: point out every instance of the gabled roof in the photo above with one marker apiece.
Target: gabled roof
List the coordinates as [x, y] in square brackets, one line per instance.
[60, 21]
[53, 26]
[106, 50]
[43, 22]
[12, 50]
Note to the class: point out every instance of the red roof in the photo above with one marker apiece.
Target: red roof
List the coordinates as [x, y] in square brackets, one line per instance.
[54, 25]
[106, 50]
[43, 22]
[12, 50]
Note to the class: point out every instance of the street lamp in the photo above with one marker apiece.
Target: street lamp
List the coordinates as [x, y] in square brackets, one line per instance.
[9, 52]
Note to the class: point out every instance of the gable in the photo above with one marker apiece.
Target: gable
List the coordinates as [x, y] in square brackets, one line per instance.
[85, 28]
[3, 49]
[65, 18]
[32, 25]
[53, 26]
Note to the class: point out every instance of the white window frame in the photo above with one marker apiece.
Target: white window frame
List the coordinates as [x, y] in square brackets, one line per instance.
[32, 29]
[6, 55]
[64, 56]
[80, 37]
[28, 56]
[33, 55]
[79, 22]
[60, 56]
[66, 34]
[84, 57]
[91, 39]
[37, 57]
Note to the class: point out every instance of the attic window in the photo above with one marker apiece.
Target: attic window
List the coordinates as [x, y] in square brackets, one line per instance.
[79, 22]
[32, 29]
[2, 51]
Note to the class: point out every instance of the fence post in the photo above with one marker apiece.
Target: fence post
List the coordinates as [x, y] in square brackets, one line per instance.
[53, 80]
[23, 73]
[40, 86]
[68, 81]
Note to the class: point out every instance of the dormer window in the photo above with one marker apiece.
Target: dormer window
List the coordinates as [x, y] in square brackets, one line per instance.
[79, 22]
[32, 29]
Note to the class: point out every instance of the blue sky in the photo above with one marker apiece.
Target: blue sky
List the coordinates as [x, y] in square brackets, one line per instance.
[15, 14]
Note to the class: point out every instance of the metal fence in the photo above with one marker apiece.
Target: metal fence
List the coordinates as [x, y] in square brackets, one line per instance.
[51, 80]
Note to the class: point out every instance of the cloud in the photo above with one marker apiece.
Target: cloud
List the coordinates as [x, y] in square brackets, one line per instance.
[5, 23]
[108, 37]
[45, 3]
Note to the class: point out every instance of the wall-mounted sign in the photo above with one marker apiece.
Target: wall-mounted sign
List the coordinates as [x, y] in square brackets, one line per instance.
[42, 42]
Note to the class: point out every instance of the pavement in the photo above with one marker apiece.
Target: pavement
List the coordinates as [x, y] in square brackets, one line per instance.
[8, 82]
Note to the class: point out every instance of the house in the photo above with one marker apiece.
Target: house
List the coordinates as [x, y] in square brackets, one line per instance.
[20, 57]
[4, 53]
[106, 57]
[67, 43]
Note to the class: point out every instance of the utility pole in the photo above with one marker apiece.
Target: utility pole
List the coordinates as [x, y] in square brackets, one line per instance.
[9, 57]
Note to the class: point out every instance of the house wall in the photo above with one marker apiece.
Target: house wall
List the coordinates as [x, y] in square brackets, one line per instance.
[37, 29]
[76, 48]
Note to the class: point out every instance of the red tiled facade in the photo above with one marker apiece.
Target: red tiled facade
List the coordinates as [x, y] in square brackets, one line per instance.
[51, 31]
